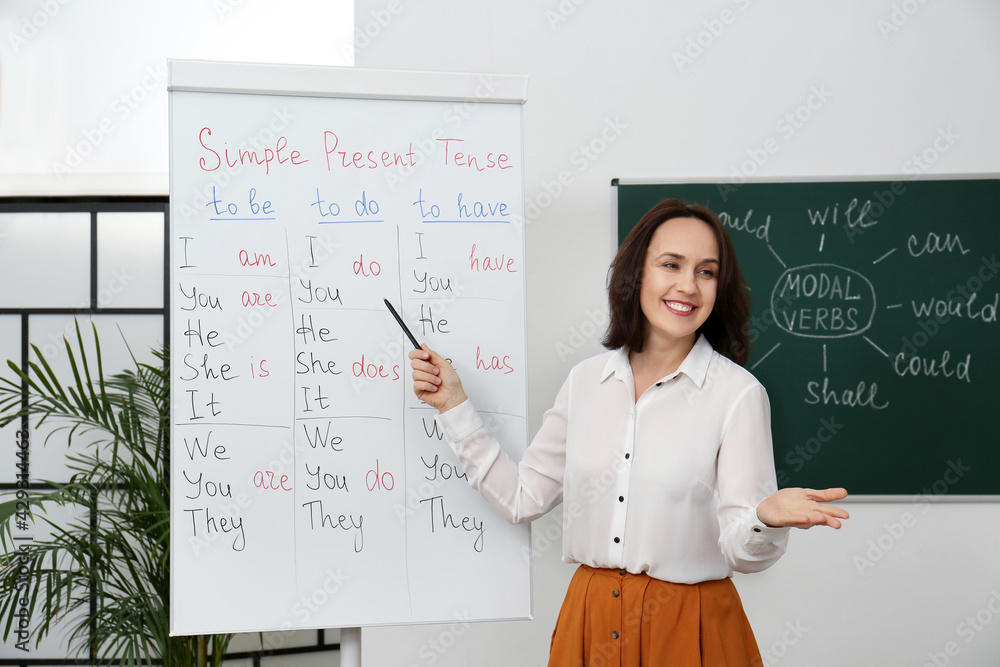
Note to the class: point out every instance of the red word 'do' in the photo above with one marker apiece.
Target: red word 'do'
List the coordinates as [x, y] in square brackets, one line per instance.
[376, 479]
[366, 270]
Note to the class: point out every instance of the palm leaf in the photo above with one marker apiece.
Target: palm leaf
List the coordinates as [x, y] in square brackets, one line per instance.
[118, 552]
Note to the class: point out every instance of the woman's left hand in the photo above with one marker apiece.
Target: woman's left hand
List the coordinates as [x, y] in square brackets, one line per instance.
[802, 508]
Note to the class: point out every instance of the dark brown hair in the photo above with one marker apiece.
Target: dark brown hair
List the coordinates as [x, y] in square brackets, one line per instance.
[725, 328]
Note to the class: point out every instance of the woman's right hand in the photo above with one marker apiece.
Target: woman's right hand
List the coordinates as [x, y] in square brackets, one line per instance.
[435, 381]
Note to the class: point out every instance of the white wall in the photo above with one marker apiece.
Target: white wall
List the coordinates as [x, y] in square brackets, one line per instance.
[893, 75]
[83, 85]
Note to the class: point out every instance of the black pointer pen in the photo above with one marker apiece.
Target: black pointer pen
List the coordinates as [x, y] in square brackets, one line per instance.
[399, 319]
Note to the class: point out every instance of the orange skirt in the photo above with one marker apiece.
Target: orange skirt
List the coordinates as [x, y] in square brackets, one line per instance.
[611, 618]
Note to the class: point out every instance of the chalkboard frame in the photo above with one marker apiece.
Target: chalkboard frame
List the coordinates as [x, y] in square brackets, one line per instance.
[655, 190]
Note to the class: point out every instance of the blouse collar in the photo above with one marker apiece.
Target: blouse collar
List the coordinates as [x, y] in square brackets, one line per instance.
[695, 364]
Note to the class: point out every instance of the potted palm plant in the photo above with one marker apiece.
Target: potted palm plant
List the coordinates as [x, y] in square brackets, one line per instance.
[104, 575]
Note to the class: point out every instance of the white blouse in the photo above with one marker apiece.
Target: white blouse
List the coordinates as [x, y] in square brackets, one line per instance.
[667, 485]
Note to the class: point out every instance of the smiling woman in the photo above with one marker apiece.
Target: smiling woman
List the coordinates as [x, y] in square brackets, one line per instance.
[678, 434]
[677, 294]
[709, 247]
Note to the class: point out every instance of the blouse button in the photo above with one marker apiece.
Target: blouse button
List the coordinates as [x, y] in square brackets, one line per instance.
[615, 592]
[617, 540]
[627, 455]
[621, 499]
[614, 635]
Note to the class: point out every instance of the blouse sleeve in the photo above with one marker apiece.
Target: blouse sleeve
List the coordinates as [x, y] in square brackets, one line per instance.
[746, 477]
[518, 491]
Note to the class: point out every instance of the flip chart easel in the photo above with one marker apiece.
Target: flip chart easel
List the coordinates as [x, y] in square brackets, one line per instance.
[350, 647]
[310, 488]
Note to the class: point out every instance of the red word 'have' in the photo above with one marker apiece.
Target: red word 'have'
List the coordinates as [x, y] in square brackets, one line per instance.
[499, 263]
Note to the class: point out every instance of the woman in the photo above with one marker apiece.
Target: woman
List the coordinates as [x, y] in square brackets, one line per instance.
[660, 450]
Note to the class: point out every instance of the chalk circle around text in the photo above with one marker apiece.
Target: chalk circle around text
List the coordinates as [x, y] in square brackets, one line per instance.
[823, 301]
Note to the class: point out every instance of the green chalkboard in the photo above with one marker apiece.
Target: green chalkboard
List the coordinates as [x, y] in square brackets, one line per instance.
[875, 327]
